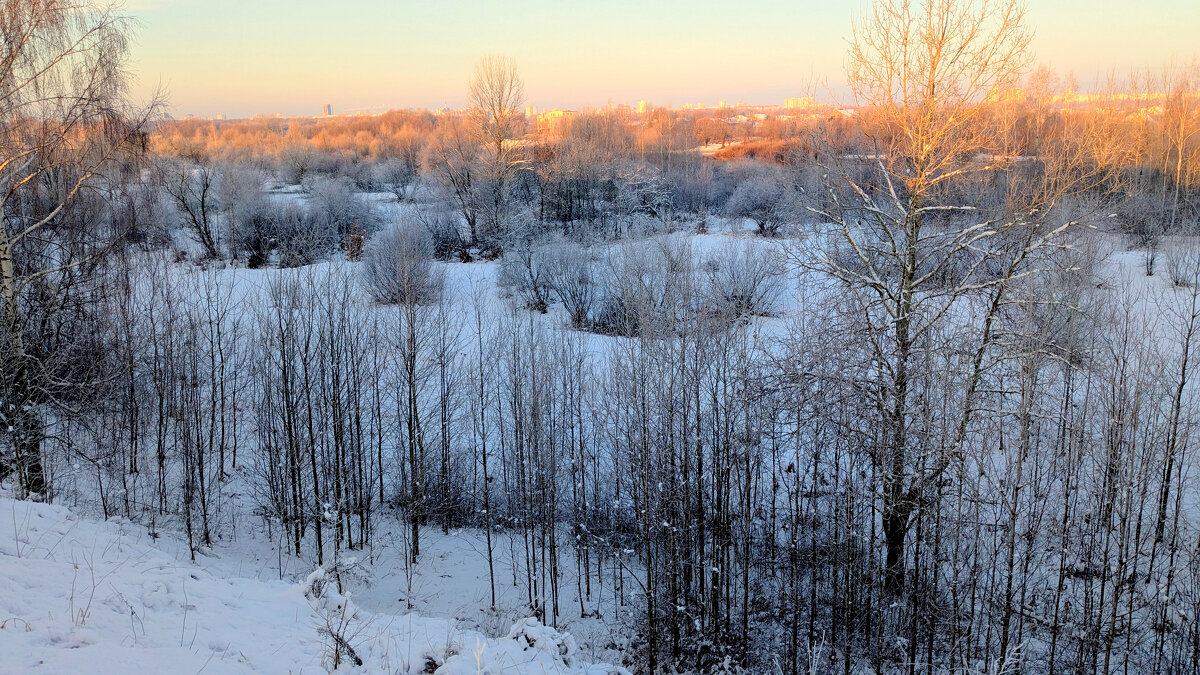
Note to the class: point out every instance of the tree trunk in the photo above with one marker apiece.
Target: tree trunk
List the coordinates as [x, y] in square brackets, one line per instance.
[20, 413]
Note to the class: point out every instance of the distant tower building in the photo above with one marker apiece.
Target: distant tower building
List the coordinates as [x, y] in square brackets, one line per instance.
[721, 104]
[798, 102]
[531, 111]
[642, 107]
[328, 109]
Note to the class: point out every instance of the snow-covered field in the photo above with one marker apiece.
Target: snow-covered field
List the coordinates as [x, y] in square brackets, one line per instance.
[82, 595]
[120, 595]
[77, 595]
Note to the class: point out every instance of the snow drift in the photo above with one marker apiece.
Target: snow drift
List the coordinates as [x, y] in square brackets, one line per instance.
[84, 596]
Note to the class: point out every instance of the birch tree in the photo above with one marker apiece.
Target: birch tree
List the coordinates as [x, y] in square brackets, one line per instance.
[63, 121]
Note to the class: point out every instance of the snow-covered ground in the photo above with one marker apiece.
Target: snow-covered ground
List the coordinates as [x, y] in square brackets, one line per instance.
[241, 606]
[77, 595]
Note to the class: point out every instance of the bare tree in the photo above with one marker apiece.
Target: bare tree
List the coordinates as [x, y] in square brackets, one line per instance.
[63, 120]
[923, 72]
[496, 94]
[452, 158]
[193, 191]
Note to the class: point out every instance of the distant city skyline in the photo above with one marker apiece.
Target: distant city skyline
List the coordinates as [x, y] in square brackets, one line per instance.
[242, 58]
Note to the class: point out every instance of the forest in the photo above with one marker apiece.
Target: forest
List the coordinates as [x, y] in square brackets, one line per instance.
[902, 385]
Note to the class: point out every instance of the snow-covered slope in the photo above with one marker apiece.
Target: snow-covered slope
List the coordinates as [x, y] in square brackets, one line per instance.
[82, 596]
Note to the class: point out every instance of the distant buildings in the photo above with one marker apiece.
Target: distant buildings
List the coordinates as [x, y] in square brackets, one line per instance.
[553, 119]
[531, 111]
[328, 109]
[643, 107]
[798, 102]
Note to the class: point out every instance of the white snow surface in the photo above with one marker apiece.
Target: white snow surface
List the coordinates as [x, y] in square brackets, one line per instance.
[77, 595]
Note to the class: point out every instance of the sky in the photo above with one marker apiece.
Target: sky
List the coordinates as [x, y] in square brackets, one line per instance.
[243, 57]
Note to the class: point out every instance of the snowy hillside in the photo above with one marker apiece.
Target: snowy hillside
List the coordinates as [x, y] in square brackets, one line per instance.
[84, 596]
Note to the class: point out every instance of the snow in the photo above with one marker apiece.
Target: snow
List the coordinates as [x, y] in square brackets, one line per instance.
[78, 595]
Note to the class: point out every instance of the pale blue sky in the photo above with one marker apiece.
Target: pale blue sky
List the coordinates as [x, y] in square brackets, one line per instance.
[241, 57]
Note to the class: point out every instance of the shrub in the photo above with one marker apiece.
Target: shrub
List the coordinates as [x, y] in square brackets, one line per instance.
[252, 231]
[300, 238]
[764, 197]
[398, 267]
[340, 211]
[744, 279]
[446, 232]
[571, 275]
[1183, 263]
[648, 289]
[522, 273]
[396, 176]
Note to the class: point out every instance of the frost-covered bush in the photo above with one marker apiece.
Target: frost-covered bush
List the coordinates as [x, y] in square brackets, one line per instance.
[1143, 218]
[340, 211]
[523, 275]
[1183, 263]
[140, 212]
[744, 279]
[299, 238]
[529, 646]
[764, 196]
[396, 176]
[531, 634]
[570, 274]
[340, 619]
[360, 174]
[450, 241]
[648, 288]
[398, 267]
[655, 287]
[642, 197]
[262, 229]
[691, 180]
[250, 216]
[247, 215]
[252, 232]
